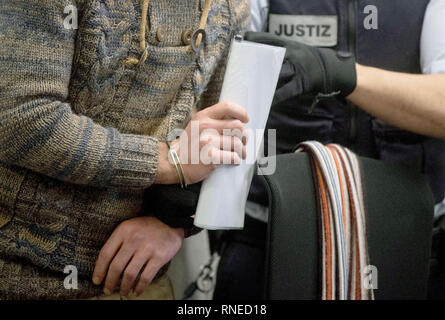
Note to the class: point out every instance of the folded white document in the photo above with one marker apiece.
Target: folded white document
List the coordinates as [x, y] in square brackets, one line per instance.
[250, 81]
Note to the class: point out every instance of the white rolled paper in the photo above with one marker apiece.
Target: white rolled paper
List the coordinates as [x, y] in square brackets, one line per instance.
[250, 81]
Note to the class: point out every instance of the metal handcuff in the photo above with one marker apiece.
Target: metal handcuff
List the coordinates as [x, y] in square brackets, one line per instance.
[205, 280]
[178, 165]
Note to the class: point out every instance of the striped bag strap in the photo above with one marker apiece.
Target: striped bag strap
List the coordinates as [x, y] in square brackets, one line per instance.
[338, 184]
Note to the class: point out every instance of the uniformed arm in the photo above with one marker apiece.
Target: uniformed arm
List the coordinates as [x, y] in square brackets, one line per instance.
[411, 102]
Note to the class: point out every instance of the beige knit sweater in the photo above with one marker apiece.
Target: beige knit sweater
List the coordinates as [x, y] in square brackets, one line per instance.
[80, 125]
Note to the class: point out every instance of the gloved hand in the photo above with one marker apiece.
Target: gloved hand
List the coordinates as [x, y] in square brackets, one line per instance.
[310, 70]
[173, 205]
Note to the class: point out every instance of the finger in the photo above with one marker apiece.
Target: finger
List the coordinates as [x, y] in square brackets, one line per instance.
[226, 142]
[231, 127]
[225, 157]
[233, 144]
[292, 89]
[147, 276]
[242, 134]
[240, 149]
[117, 266]
[287, 73]
[106, 254]
[227, 110]
[132, 271]
[213, 156]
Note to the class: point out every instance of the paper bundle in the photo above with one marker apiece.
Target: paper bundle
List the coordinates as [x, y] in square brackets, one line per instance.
[250, 81]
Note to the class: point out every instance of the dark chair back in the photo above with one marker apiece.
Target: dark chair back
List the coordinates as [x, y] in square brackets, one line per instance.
[399, 207]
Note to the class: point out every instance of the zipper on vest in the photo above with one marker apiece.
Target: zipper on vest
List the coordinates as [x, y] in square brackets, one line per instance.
[352, 30]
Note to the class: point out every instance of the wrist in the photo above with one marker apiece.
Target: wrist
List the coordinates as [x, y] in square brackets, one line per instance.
[362, 80]
[341, 68]
[166, 171]
[180, 232]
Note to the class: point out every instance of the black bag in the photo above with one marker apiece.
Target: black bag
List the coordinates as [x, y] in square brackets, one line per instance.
[399, 207]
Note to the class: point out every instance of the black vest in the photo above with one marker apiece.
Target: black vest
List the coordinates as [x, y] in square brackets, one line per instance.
[394, 45]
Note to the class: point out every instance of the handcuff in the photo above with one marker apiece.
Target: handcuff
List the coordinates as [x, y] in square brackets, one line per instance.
[205, 281]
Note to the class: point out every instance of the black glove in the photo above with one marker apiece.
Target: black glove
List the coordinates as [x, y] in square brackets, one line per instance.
[310, 70]
[173, 205]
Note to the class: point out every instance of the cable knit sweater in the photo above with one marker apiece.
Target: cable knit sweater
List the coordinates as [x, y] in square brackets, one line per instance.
[79, 125]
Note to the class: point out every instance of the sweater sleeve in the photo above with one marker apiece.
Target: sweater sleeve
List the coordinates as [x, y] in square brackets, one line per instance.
[38, 129]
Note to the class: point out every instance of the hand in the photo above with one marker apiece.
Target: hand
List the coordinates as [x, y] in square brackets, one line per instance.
[214, 136]
[138, 247]
[310, 70]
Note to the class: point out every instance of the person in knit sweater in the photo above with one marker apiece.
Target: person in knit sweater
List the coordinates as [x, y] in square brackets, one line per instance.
[85, 112]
